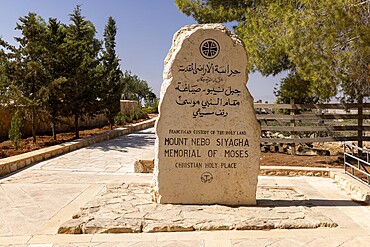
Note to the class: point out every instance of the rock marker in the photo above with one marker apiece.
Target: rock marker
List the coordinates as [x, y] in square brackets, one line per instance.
[208, 137]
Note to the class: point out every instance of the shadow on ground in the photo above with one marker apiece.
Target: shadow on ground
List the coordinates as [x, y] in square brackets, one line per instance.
[307, 203]
[136, 140]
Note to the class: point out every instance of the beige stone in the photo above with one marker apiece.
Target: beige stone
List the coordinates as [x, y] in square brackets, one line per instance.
[71, 227]
[144, 166]
[279, 208]
[208, 138]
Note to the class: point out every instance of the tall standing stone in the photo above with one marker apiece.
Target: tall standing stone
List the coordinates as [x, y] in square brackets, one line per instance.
[208, 137]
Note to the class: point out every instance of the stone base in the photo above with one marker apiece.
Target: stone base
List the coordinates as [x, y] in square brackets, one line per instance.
[358, 191]
[144, 166]
[125, 208]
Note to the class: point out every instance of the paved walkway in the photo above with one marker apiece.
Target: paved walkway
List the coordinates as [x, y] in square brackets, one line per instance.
[36, 201]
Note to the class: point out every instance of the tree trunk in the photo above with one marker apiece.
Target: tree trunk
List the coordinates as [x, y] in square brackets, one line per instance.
[111, 121]
[77, 134]
[33, 123]
[53, 130]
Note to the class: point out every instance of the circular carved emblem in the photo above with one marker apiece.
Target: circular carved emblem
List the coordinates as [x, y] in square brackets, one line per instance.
[206, 177]
[209, 48]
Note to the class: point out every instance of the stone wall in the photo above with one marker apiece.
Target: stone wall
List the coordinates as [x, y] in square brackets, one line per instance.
[65, 124]
[5, 119]
[128, 105]
[42, 126]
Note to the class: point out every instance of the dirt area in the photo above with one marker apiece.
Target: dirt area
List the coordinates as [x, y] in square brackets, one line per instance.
[27, 145]
[335, 159]
[268, 158]
[281, 159]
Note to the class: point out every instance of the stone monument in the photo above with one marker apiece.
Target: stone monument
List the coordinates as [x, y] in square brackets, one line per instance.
[208, 137]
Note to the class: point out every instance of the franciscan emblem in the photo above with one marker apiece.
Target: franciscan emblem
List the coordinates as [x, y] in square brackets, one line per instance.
[206, 177]
[209, 48]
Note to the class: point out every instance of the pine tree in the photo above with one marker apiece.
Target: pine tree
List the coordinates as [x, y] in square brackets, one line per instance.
[3, 78]
[112, 85]
[324, 42]
[24, 68]
[55, 70]
[81, 58]
[292, 87]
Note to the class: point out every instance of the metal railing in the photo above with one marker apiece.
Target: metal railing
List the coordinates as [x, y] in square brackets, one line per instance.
[356, 163]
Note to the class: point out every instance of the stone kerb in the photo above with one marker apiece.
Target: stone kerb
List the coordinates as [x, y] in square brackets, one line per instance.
[208, 137]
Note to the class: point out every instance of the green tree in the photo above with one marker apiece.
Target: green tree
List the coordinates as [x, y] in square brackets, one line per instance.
[324, 42]
[55, 70]
[81, 50]
[37, 59]
[135, 88]
[151, 99]
[3, 78]
[294, 87]
[23, 68]
[112, 86]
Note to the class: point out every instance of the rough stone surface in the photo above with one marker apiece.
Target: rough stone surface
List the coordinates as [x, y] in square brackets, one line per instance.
[357, 190]
[123, 208]
[208, 137]
[144, 166]
[276, 171]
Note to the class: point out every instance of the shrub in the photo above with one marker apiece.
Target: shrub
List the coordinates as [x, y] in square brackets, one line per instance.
[131, 116]
[153, 108]
[143, 114]
[15, 134]
[120, 119]
[137, 114]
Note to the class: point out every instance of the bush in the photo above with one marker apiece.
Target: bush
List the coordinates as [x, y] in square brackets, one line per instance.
[142, 114]
[120, 119]
[137, 114]
[15, 134]
[131, 116]
[153, 108]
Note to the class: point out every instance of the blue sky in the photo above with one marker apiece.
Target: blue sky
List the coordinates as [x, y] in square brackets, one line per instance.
[145, 31]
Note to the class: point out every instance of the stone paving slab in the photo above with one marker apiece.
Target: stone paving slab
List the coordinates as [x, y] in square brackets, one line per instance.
[127, 208]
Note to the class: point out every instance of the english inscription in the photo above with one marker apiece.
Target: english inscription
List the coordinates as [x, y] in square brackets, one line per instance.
[229, 147]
